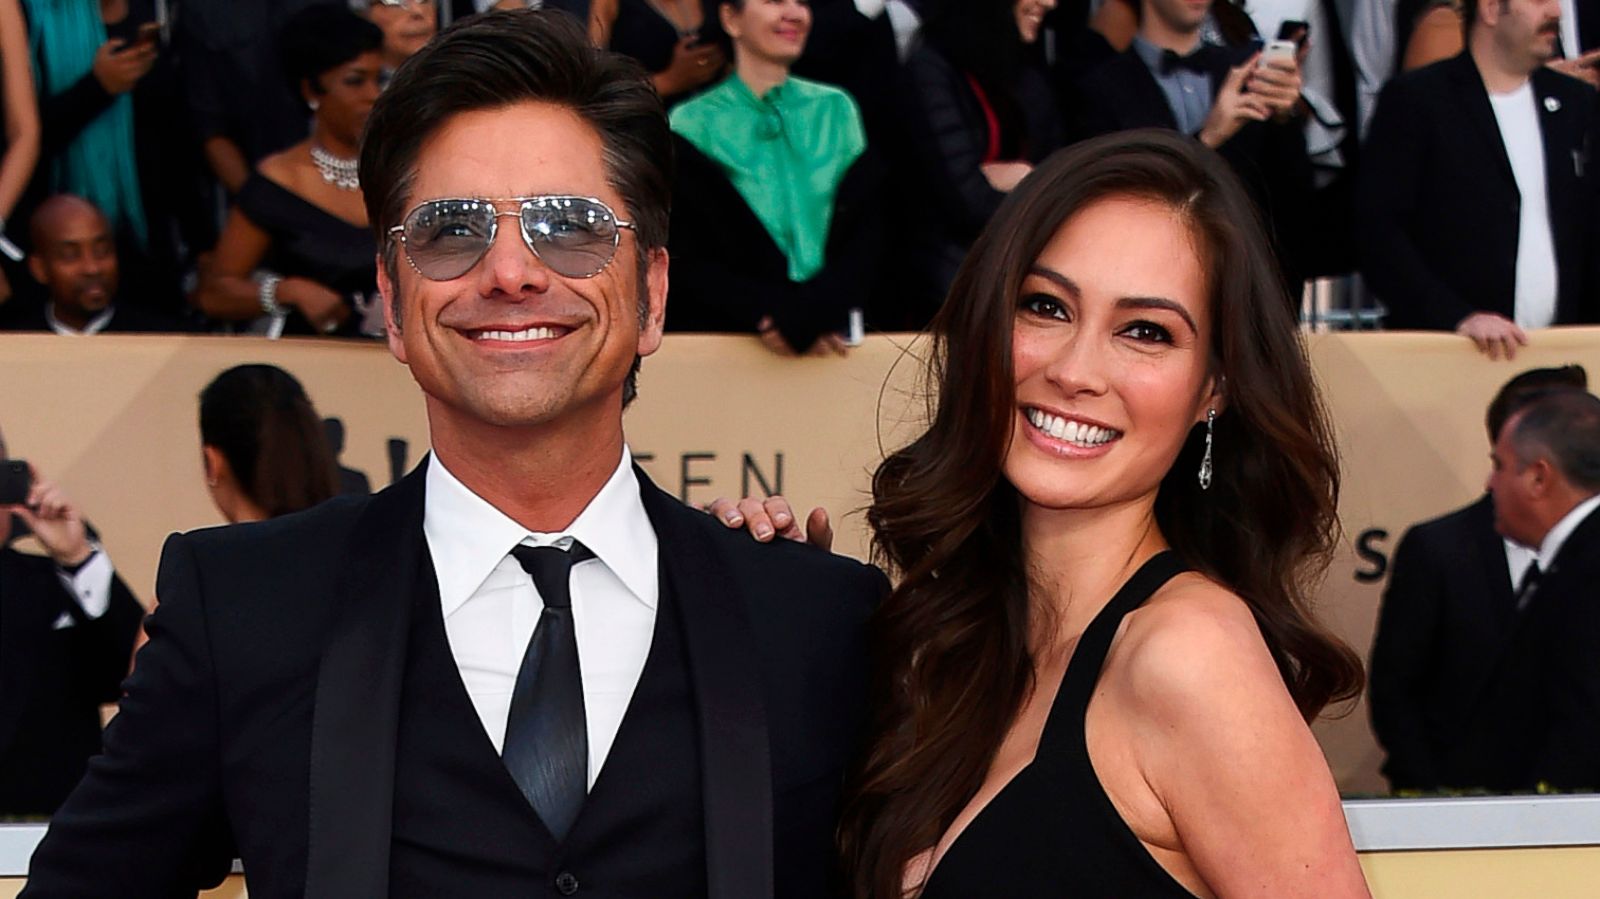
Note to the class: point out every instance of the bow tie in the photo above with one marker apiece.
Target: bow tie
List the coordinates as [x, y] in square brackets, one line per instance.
[1172, 62]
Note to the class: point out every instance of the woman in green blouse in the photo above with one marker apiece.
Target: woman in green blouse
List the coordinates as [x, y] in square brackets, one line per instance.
[777, 215]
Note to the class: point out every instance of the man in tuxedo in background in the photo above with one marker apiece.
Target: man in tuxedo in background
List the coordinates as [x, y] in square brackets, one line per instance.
[522, 670]
[1541, 712]
[67, 624]
[1447, 616]
[1477, 204]
[1172, 78]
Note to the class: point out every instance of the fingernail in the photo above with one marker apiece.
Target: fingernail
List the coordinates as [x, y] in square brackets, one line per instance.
[763, 531]
[733, 518]
[780, 519]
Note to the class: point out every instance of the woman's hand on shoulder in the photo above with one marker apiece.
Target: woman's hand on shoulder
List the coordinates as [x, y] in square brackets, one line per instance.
[1223, 746]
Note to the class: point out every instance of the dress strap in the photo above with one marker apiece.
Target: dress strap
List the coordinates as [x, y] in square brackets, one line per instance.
[1083, 671]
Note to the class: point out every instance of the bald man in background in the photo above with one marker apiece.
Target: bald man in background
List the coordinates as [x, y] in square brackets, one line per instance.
[75, 259]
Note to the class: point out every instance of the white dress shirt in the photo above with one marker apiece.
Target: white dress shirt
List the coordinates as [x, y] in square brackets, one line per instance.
[491, 606]
[90, 586]
[93, 326]
[1550, 547]
[1534, 291]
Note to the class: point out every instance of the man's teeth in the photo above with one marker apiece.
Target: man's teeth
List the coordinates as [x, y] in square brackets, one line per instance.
[1071, 431]
[527, 334]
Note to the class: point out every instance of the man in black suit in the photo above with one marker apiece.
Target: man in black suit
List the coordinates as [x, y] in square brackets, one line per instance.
[1478, 199]
[1541, 713]
[74, 257]
[523, 669]
[1446, 618]
[67, 624]
[1172, 78]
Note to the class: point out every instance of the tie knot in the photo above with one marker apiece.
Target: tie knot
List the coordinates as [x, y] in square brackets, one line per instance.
[549, 566]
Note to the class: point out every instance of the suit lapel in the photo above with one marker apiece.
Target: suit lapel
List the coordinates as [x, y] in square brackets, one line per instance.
[1473, 99]
[734, 749]
[1491, 552]
[356, 717]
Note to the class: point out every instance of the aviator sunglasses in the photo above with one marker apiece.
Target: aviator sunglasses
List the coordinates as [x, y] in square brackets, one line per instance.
[574, 236]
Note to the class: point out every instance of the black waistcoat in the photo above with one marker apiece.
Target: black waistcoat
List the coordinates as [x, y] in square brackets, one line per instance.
[462, 828]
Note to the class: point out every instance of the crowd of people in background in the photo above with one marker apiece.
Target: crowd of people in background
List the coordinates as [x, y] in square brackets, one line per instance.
[835, 158]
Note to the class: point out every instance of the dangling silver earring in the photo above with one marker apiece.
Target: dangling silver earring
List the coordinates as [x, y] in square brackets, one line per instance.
[314, 104]
[1205, 461]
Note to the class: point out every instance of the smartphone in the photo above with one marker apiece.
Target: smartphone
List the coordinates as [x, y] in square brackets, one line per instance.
[16, 480]
[149, 33]
[1284, 51]
[1294, 30]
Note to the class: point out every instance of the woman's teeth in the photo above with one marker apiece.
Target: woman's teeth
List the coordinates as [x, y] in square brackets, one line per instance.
[1073, 432]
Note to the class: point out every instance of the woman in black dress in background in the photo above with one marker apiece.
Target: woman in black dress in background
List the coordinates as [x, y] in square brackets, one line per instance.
[296, 255]
[1095, 675]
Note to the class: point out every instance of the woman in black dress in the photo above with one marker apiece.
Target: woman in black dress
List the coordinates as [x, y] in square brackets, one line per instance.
[675, 40]
[1095, 675]
[296, 255]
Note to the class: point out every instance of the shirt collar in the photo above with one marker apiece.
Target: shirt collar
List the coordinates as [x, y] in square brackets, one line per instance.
[468, 537]
[1558, 535]
[94, 326]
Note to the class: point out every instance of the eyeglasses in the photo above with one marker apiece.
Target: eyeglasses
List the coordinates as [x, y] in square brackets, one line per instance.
[574, 236]
[404, 4]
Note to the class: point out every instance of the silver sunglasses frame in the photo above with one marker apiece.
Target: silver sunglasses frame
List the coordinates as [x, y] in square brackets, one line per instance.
[494, 228]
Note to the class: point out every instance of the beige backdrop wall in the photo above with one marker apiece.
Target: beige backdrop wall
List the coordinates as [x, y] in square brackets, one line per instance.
[113, 420]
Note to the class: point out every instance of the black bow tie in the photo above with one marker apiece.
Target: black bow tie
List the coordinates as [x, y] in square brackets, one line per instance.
[1172, 62]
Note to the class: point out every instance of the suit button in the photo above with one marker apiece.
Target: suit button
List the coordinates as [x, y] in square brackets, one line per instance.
[566, 884]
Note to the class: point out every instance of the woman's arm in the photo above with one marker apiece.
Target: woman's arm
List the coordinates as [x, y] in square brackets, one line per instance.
[21, 109]
[602, 15]
[230, 293]
[1436, 37]
[1220, 743]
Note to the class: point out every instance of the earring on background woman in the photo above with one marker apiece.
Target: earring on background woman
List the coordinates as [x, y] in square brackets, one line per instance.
[1205, 461]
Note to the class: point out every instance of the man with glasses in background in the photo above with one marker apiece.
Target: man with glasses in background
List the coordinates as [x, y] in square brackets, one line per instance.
[523, 669]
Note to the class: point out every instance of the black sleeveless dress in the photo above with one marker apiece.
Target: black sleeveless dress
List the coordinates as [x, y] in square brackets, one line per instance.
[1052, 831]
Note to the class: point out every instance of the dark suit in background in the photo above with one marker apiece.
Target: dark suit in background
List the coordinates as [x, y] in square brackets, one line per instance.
[53, 680]
[1446, 619]
[299, 690]
[1438, 205]
[1540, 716]
[1121, 94]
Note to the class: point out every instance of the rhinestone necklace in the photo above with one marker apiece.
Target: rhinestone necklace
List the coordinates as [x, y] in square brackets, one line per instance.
[341, 173]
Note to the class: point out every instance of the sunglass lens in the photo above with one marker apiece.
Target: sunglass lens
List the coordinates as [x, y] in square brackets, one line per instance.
[446, 238]
[574, 236]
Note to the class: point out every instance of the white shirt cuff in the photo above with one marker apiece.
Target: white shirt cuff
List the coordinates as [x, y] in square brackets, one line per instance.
[91, 586]
[870, 8]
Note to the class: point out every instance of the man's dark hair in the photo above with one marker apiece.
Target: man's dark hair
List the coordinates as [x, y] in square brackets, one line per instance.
[500, 58]
[1564, 427]
[321, 38]
[1522, 390]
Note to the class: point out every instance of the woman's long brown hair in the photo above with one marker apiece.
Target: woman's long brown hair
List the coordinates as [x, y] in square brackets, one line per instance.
[951, 653]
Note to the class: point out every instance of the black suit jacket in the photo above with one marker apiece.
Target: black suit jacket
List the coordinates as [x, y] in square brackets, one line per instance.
[1446, 619]
[130, 318]
[727, 273]
[1120, 94]
[1541, 711]
[267, 700]
[54, 680]
[1438, 204]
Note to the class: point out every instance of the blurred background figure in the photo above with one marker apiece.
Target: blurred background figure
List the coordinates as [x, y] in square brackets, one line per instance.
[777, 212]
[21, 118]
[1447, 616]
[675, 40]
[233, 83]
[978, 114]
[114, 132]
[266, 452]
[67, 625]
[406, 26]
[75, 259]
[296, 256]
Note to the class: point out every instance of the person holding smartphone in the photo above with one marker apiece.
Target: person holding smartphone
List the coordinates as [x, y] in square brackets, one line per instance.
[67, 624]
[113, 132]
